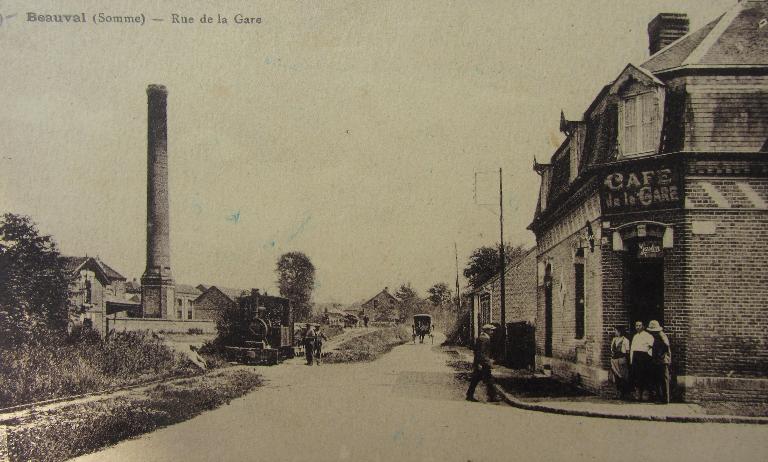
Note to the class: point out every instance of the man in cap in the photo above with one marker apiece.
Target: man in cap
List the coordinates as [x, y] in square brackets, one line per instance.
[481, 367]
[660, 360]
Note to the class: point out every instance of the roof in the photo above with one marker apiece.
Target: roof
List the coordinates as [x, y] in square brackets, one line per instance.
[74, 264]
[508, 267]
[232, 294]
[187, 289]
[734, 39]
[385, 292]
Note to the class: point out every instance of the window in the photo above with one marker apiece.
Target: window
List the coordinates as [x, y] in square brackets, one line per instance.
[375, 304]
[639, 124]
[179, 315]
[189, 314]
[579, 299]
[485, 310]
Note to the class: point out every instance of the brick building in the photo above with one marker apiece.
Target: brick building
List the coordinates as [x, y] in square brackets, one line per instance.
[655, 207]
[519, 306]
[213, 300]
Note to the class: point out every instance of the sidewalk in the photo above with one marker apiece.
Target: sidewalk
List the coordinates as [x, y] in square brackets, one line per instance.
[535, 392]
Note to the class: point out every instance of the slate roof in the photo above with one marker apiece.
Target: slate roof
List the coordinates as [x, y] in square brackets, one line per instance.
[735, 38]
[739, 37]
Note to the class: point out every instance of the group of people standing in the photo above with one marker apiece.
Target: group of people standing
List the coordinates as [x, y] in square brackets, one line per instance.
[640, 367]
[313, 345]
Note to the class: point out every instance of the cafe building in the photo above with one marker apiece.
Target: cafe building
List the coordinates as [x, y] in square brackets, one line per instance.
[655, 207]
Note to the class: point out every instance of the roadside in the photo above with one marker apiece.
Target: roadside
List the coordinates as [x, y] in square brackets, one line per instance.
[366, 346]
[537, 392]
[63, 430]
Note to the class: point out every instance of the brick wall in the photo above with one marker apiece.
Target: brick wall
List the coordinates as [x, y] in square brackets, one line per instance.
[727, 293]
[520, 289]
[573, 359]
[209, 304]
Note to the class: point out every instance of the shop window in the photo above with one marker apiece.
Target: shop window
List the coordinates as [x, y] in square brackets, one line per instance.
[639, 128]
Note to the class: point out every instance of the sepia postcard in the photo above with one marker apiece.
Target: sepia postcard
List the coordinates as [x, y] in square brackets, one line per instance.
[336, 230]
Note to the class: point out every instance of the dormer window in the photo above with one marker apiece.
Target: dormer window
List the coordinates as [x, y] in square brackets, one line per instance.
[639, 128]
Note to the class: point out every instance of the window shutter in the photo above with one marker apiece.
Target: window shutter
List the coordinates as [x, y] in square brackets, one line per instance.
[620, 134]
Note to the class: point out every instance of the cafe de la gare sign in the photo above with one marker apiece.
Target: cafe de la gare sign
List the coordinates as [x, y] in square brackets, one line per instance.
[636, 188]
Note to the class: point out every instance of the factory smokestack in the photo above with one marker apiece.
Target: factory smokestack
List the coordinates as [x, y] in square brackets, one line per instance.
[157, 286]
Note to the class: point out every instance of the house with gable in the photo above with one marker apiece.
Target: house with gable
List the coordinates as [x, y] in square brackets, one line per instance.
[382, 307]
[655, 207]
[97, 290]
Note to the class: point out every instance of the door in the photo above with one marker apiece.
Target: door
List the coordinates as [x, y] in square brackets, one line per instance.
[644, 289]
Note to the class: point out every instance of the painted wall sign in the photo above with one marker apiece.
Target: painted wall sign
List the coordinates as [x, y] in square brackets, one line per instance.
[641, 186]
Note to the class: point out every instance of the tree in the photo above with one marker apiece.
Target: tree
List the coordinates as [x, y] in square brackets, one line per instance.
[410, 301]
[296, 280]
[439, 294]
[34, 285]
[484, 262]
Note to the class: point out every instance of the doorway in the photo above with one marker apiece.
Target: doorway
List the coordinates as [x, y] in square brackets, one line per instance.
[548, 311]
[644, 289]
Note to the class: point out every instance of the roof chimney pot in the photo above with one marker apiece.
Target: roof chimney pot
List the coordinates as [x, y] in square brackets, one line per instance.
[665, 28]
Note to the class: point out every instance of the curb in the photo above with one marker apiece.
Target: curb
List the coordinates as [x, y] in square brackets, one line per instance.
[728, 419]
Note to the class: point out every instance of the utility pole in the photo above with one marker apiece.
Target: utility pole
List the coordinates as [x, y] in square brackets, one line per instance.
[503, 313]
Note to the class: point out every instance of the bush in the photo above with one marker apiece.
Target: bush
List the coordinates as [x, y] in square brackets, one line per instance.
[370, 346]
[61, 434]
[85, 364]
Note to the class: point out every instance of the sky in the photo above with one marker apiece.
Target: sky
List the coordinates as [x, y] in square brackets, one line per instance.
[351, 131]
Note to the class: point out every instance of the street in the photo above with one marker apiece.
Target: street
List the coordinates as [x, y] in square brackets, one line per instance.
[409, 405]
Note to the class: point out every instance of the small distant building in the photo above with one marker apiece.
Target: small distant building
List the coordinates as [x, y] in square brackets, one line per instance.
[382, 307]
[213, 300]
[185, 297]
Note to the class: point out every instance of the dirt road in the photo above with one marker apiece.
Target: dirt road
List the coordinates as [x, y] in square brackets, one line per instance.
[409, 406]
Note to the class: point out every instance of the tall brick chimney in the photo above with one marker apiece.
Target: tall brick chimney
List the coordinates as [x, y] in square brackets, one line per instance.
[665, 28]
[157, 286]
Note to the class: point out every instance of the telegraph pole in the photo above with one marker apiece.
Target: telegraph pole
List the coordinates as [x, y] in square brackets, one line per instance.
[503, 314]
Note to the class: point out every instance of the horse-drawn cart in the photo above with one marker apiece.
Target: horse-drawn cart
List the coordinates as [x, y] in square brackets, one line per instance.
[422, 326]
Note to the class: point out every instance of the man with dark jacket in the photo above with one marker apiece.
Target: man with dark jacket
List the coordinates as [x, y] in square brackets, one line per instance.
[319, 338]
[481, 367]
[309, 341]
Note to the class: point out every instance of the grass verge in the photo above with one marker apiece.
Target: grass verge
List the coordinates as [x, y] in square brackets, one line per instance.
[67, 432]
[368, 347]
[31, 373]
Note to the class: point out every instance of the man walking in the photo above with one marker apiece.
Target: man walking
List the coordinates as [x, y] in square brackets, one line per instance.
[481, 367]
